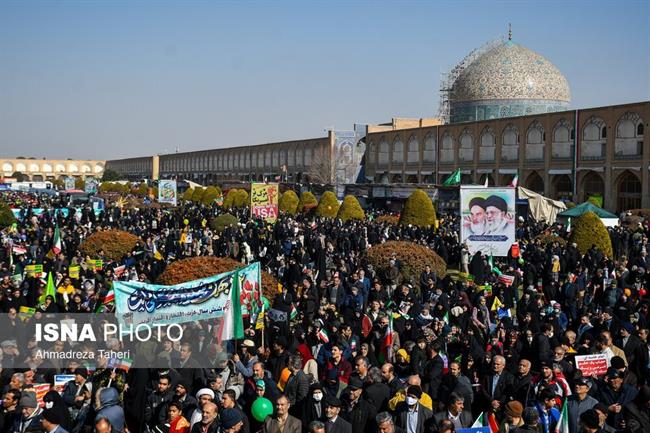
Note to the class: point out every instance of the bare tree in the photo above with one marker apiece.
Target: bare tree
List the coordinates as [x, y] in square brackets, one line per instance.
[321, 168]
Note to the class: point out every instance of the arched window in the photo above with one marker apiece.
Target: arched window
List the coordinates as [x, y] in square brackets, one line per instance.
[383, 151]
[629, 191]
[594, 138]
[562, 144]
[429, 148]
[466, 151]
[486, 151]
[510, 143]
[639, 130]
[447, 151]
[398, 150]
[413, 150]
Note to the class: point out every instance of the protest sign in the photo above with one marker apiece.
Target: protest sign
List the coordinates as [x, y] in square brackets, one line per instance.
[25, 313]
[73, 272]
[61, 379]
[592, 364]
[264, 201]
[167, 191]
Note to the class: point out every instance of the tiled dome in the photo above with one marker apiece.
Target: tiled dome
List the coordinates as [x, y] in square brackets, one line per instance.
[508, 80]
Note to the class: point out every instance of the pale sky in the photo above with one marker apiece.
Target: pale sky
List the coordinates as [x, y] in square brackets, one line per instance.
[124, 78]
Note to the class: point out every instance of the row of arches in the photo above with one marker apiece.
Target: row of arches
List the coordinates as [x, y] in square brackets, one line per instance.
[628, 142]
[26, 167]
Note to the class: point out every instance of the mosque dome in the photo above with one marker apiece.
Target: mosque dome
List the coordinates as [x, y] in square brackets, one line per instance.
[508, 80]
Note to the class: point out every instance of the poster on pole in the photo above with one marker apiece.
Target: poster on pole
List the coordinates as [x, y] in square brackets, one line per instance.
[167, 192]
[592, 364]
[68, 182]
[264, 201]
[91, 185]
[488, 219]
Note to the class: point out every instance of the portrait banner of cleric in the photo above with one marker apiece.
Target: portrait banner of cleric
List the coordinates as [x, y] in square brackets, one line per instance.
[488, 220]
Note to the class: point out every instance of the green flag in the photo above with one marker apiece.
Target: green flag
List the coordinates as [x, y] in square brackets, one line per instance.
[49, 289]
[453, 179]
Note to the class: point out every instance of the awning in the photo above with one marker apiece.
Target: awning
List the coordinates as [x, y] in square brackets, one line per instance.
[626, 168]
[559, 171]
[508, 171]
[485, 170]
[597, 169]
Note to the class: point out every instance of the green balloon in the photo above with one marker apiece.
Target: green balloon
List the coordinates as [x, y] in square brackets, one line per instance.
[520, 261]
[267, 304]
[261, 408]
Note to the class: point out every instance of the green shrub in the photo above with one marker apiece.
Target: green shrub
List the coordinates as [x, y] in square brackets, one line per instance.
[236, 198]
[222, 221]
[7, 217]
[596, 200]
[187, 195]
[570, 205]
[105, 187]
[549, 238]
[351, 209]
[414, 257]
[589, 230]
[242, 199]
[389, 219]
[143, 190]
[79, 183]
[307, 202]
[197, 195]
[210, 195]
[328, 206]
[418, 210]
[289, 202]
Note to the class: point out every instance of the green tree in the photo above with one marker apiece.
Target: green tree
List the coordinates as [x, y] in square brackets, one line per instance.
[241, 198]
[307, 202]
[289, 202]
[79, 183]
[187, 196]
[110, 176]
[197, 195]
[7, 217]
[589, 230]
[350, 209]
[418, 210]
[143, 190]
[222, 221]
[328, 206]
[210, 194]
[18, 176]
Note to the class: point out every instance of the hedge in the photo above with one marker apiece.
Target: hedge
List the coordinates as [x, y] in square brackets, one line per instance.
[187, 195]
[589, 230]
[194, 268]
[414, 257]
[350, 209]
[115, 244]
[210, 195]
[388, 219]
[143, 190]
[222, 221]
[197, 195]
[418, 210]
[7, 217]
[546, 238]
[328, 206]
[289, 202]
[236, 198]
[307, 202]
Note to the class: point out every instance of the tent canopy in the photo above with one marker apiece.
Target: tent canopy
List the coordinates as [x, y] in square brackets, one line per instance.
[541, 208]
[586, 207]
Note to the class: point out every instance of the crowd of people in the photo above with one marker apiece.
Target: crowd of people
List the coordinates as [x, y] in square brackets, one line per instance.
[367, 351]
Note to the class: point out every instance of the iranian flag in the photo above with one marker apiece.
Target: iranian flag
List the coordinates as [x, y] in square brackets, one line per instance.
[514, 182]
[486, 420]
[232, 323]
[387, 343]
[293, 313]
[563, 423]
[322, 335]
[56, 245]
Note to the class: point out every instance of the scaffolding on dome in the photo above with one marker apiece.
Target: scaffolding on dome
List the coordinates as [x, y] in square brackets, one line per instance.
[448, 79]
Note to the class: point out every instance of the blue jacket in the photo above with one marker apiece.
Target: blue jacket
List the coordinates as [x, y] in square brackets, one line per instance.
[110, 409]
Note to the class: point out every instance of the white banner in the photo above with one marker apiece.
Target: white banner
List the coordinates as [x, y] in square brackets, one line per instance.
[488, 219]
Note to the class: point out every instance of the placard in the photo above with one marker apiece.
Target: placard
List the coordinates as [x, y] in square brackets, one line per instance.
[592, 364]
[264, 201]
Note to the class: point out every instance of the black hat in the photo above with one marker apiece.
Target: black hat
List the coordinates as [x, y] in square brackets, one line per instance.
[590, 419]
[414, 390]
[583, 381]
[497, 202]
[355, 383]
[546, 363]
[185, 383]
[617, 362]
[613, 373]
[230, 418]
[477, 201]
[52, 416]
[314, 386]
[332, 401]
